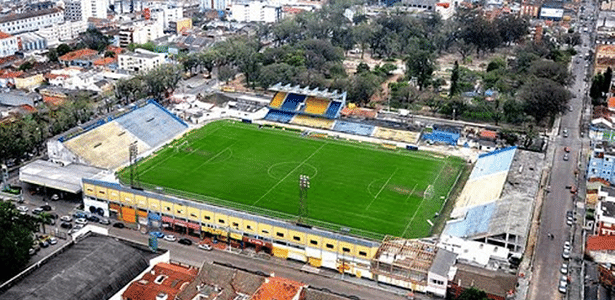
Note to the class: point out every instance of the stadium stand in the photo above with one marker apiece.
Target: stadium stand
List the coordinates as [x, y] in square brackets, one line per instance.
[476, 221]
[152, 124]
[316, 106]
[333, 110]
[311, 121]
[396, 135]
[353, 128]
[279, 116]
[493, 162]
[292, 102]
[277, 99]
[442, 134]
[105, 146]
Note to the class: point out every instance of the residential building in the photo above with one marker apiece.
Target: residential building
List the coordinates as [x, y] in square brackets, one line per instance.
[601, 249]
[31, 21]
[438, 276]
[166, 14]
[180, 25]
[31, 41]
[255, 11]
[81, 10]
[605, 57]
[29, 81]
[64, 31]
[605, 211]
[280, 289]
[497, 285]
[79, 58]
[163, 281]
[601, 163]
[140, 60]
[140, 33]
[8, 44]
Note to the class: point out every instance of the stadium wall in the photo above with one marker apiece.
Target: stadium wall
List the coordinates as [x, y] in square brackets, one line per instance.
[283, 239]
[58, 153]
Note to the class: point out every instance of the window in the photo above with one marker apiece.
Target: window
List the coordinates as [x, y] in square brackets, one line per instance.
[279, 234]
[193, 215]
[362, 253]
[265, 231]
[179, 211]
[345, 249]
[314, 242]
[221, 221]
[330, 246]
[235, 224]
[168, 208]
[438, 282]
[296, 238]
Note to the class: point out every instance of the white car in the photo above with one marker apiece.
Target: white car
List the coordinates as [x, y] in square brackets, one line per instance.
[53, 241]
[204, 247]
[81, 221]
[563, 286]
[566, 254]
[22, 209]
[567, 246]
[564, 269]
[170, 238]
[66, 218]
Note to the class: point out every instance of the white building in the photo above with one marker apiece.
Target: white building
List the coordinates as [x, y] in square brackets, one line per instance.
[140, 60]
[63, 31]
[81, 10]
[140, 33]
[166, 14]
[31, 41]
[31, 21]
[8, 44]
[213, 4]
[255, 11]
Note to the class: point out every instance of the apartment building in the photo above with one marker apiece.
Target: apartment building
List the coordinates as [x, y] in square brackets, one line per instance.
[139, 33]
[140, 61]
[8, 44]
[255, 11]
[31, 21]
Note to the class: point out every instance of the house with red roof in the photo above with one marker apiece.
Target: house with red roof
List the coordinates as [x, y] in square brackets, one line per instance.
[601, 248]
[164, 281]
[79, 58]
[280, 289]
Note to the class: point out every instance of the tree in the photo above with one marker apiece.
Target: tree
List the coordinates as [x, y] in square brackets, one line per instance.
[544, 98]
[363, 86]
[606, 83]
[595, 91]
[454, 80]
[420, 65]
[549, 69]
[26, 66]
[362, 67]
[63, 49]
[473, 294]
[94, 39]
[52, 55]
[109, 53]
[43, 219]
[274, 73]
[15, 241]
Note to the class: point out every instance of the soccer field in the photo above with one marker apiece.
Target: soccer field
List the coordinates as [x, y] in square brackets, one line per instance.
[362, 186]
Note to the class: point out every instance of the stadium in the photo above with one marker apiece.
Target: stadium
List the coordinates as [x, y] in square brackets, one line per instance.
[299, 183]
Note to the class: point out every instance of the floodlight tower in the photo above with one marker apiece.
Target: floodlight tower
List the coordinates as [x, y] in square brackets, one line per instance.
[133, 151]
[304, 185]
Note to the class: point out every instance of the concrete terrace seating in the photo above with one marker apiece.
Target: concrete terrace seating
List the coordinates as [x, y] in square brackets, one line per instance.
[152, 124]
[279, 116]
[476, 221]
[105, 146]
[333, 110]
[277, 99]
[316, 106]
[292, 102]
[396, 135]
[353, 128]
[493, 162]
[315, 122]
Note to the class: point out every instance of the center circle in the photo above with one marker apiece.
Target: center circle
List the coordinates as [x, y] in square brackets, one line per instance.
[281, 169]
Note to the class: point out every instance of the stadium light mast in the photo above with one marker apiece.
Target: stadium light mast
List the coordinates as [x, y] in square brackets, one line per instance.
[304, 185]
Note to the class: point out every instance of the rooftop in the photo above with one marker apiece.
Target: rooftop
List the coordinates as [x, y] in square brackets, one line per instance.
[4, 35]
[227, 283]
[279, 289]
[31, 14]
[492, 282]
[443, 261]
[95, 267]
[168, 279]
[608, 208]
[68, 178]
[78, 54]
[600, 243]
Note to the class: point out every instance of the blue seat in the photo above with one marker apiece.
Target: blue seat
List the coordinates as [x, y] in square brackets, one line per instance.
[152, 124]
[354, 128]
[279, 116]
[292, 102]
[333, 109]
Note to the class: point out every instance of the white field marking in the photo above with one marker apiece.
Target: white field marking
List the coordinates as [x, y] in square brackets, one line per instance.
[217, 154]
[293, 170]
[381, 189]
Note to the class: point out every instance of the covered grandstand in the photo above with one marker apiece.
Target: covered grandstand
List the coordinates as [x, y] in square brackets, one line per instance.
[496, 204]
[289, 101]
[104, 144]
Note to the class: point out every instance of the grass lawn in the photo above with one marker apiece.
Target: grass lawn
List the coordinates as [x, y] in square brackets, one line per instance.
[360, 186]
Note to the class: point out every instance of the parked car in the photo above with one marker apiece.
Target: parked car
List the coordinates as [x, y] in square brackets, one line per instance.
[55, 197]
[81, 221]
[205, 247]
[565, 133]
[22, 209]
[46, 207]
[567, 149]
[569, 221]
[104, 222]
[31, 251]
[566, 156]
[119, 225]
[78, 215]
[66, 225]
[93, 218]
[37, 211]
[566, 254]
[185, 241]
[564, 269]
[170, 238]
[66, 218]
[563, 286]
[567, 245]
[157, 234]
[44, 244]
[53, 241]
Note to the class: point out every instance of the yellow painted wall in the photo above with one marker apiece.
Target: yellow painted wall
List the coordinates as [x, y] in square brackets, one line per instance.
[29, 82]
[265, 230]
[207, 214]
[292, 234]
[166, 207]
[154, 204]
[279, 230]
[250, 226]
[179, 210]
[279, 252]
[326, 241]
[89, 190]
[315, 262]
[349, 246]
[221, 219]
[127, 198]
[114, 195]
[235, 223]
[313, 237]
[101, 192]
[193, 213]
[141, 201]
[367, 251]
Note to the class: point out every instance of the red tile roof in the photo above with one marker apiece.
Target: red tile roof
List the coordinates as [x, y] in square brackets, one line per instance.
[4, 35]
[116, 50]
[77, 54]
[612, 102]
[598, 243]
[278, 288]
[104, 61]
[164, 278]
[488, 134]
[10, 74]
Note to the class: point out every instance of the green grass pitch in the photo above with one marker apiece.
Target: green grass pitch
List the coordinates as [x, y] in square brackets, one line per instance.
[360, 186]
